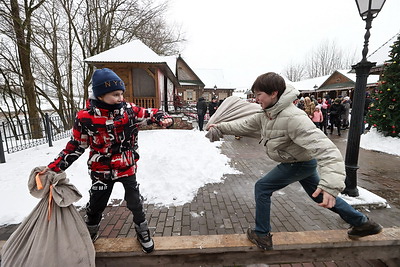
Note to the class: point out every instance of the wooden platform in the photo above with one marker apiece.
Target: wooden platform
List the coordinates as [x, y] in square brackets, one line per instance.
[236, 249]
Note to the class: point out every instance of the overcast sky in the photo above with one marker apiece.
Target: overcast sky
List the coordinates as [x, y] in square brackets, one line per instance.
[248, 38]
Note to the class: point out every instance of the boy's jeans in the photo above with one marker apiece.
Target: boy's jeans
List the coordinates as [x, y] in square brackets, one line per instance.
[285, 174]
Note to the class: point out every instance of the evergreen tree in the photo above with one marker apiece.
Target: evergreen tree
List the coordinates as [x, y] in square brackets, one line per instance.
[384, 111]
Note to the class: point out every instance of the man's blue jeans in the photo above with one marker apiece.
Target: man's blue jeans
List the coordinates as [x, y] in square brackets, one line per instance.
[285, 174]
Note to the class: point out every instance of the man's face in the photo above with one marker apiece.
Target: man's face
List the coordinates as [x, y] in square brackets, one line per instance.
[266, 100]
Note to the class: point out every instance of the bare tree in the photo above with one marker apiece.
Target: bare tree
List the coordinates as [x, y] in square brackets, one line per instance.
[53, 60]
[327, 58]
[20, 22]
[101, 25]
[320, 61]
[49, 39]
[295, 72]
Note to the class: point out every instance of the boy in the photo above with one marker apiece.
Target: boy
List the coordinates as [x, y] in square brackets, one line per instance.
[290, 137]
[109, 127]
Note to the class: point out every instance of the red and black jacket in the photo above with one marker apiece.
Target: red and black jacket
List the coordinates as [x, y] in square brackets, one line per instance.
[111, 136]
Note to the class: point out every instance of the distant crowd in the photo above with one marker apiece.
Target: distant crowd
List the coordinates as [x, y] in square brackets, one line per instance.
[328, 113]
[323, 110]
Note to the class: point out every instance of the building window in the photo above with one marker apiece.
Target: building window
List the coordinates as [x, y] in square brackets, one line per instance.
[189, 95]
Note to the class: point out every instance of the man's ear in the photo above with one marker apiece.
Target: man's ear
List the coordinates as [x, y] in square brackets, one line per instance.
[274, 94]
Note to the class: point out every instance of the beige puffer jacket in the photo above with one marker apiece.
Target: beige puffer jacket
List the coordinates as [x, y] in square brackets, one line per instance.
[288, 135]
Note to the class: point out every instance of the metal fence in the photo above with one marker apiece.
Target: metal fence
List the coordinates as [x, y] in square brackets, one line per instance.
[17, 135]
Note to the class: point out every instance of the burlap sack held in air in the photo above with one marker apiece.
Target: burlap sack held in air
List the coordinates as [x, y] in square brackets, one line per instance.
[232, 108]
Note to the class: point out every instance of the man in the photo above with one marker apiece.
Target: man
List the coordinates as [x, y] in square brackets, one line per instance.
[212, 106]
[290, 138]
[201, 107]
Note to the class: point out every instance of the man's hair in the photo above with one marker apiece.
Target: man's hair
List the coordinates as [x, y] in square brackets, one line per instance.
[269, 83]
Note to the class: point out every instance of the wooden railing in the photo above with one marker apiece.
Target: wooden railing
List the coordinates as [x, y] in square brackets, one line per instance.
[145, 102]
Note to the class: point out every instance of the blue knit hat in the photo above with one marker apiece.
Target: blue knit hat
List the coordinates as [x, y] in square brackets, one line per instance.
[105, 81]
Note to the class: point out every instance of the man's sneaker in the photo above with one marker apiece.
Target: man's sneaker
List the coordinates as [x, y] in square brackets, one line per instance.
[368, 228]
[143, 236]
[93, 231]
[263, 242]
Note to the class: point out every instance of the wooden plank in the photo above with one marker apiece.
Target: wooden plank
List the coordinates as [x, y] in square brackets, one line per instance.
[236, 249]
[239, 242]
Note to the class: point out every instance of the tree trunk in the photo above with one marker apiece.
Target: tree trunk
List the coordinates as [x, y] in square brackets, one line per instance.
[24, 52]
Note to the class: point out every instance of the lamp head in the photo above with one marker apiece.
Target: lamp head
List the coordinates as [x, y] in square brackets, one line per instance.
[369, 8]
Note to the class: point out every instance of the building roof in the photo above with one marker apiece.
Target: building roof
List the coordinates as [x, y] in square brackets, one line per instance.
[133, 52]
[212, 78]
[308, 85]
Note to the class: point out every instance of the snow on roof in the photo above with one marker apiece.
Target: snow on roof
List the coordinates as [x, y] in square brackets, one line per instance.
[372, 78]
[308, 85]
[171, 62]
[213, 77]
[134, 51]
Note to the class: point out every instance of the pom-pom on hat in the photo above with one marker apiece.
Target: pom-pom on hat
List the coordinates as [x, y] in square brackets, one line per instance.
[105, 81]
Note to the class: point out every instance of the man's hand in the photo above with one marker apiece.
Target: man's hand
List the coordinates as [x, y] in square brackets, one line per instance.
[328, 201]
[210, 126]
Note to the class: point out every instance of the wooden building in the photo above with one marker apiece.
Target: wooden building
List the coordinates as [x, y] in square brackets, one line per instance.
[339, 83]
[207, 83]
[156, 81]
[149, 78]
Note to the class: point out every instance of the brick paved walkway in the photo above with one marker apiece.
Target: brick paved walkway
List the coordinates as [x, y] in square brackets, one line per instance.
[228, 207]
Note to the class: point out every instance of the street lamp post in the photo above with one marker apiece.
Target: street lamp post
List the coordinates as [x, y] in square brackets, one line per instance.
[368, 10]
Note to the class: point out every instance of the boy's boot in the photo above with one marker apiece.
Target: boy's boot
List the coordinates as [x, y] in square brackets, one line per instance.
[144, 238]
[368, 228]
[93, 227]
[263, 242]
[93, 231]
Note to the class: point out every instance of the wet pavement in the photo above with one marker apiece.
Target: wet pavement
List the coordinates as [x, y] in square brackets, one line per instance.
[229, 207]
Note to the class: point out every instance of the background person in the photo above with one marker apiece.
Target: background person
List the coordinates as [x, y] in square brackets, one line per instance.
[335, 115]
[212, 106]
[201, 107]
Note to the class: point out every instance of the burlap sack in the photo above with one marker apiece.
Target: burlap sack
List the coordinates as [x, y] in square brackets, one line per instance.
[232, 108]
[54, 233]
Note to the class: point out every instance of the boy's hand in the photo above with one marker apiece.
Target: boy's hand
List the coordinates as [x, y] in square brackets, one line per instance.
[44, 170]
[166, 122]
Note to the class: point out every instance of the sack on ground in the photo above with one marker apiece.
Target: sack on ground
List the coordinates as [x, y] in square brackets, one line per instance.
[54, 233]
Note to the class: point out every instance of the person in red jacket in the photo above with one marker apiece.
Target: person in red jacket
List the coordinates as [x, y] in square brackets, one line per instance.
[108, 126]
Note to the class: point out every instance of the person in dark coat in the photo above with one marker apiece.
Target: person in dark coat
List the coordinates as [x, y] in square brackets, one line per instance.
[201, 107]
[335, 115]
[212, 106]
